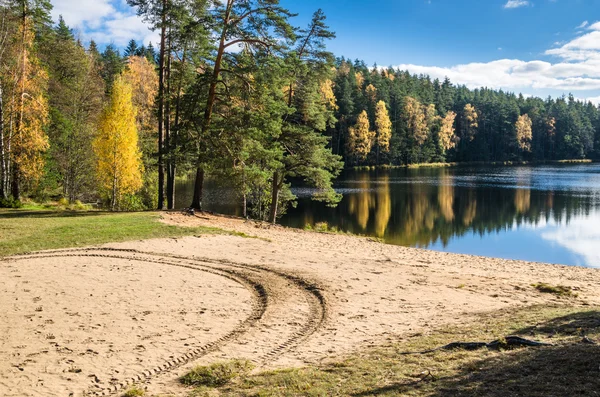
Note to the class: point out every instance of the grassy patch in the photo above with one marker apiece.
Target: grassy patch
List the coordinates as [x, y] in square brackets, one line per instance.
[559, 290]
[569, 367]
[134, 392]
[27, 231]
[217, 374]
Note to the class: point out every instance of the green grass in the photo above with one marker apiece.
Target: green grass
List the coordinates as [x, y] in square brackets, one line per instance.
[26, 230]
[217, 374]
[567, 368]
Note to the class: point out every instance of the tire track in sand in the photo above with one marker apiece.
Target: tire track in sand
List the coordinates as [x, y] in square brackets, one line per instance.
[287, 310]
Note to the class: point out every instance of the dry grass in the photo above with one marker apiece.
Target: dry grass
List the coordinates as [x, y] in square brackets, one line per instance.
[569, 367]
[559, 290]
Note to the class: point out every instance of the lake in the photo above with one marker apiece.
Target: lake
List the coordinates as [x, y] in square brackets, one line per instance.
[535, 213]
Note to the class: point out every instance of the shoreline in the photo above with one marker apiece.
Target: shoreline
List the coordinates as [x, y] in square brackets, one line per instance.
[507, 163]
[366, 294]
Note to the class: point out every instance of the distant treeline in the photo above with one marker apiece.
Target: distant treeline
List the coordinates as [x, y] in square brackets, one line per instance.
[436, 121]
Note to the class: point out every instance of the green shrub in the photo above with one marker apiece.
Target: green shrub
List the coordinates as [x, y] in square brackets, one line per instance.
[10, 203]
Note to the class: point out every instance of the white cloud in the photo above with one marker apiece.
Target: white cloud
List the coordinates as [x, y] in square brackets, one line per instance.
[583, 25]
[516, 74]
[516, 3]
[104, 21]
[580, 235]
[578, 69]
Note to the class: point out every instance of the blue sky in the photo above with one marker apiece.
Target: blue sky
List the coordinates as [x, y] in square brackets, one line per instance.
[537, 47]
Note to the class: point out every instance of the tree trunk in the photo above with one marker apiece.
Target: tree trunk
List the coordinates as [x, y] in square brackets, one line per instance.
[15, 185]
[198, 189]
[2, 151]
[274, 198]
[168, 141]
[161, 108]
[16, 180]
[175, 132]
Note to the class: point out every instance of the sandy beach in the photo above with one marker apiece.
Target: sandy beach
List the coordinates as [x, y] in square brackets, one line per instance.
[93, 321]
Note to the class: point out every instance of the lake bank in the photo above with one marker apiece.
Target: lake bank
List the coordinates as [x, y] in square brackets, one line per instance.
[507, 163]
[367, 294]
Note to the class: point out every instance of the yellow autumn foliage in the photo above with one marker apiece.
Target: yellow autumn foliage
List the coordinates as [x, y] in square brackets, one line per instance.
[383, 125]
[470, 122]
[119, 160]
[416, 120]
[446, 134]
[360, 137]
[141, 76]
[371, 92]
[524, 132]
[328, 95]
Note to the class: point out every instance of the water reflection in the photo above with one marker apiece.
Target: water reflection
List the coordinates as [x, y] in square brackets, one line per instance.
[490, 211]
[546, 214]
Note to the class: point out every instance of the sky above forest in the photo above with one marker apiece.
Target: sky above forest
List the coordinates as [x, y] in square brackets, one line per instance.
[534, 47]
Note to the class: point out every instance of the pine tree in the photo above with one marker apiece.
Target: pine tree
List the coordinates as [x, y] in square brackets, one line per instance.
[76, 93]
[131, 49]
[112, 65]
[119, 166]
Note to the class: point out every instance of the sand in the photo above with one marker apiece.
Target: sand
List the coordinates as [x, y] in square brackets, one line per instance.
[93, 321]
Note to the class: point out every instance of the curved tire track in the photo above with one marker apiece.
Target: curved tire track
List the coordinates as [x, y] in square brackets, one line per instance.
[260, 280]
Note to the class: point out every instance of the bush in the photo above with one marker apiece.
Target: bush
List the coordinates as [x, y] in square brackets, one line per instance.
[218, 374]
[10, 203]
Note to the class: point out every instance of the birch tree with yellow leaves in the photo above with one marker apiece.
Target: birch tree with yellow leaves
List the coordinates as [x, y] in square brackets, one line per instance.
[470, 123]
[119, 160]
[447, 134]
[360, 137]
[524, 133]
[384, 128]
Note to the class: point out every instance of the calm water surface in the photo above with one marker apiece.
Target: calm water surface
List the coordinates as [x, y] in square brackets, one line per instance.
[545, 213]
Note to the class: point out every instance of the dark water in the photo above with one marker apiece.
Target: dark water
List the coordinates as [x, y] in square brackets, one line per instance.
[545, 213]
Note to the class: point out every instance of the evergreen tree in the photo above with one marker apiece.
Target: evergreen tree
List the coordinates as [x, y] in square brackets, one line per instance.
[131, 49]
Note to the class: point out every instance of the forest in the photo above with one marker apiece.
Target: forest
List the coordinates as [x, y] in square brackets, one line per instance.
[235, 92]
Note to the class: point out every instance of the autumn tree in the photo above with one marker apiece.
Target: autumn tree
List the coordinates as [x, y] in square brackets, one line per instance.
[360, 137]
[140, 74]
[383, 125]
[416, 120]
[446, 133]
[119, 166]
[469, 123]
[524, 133]
[23, 100]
